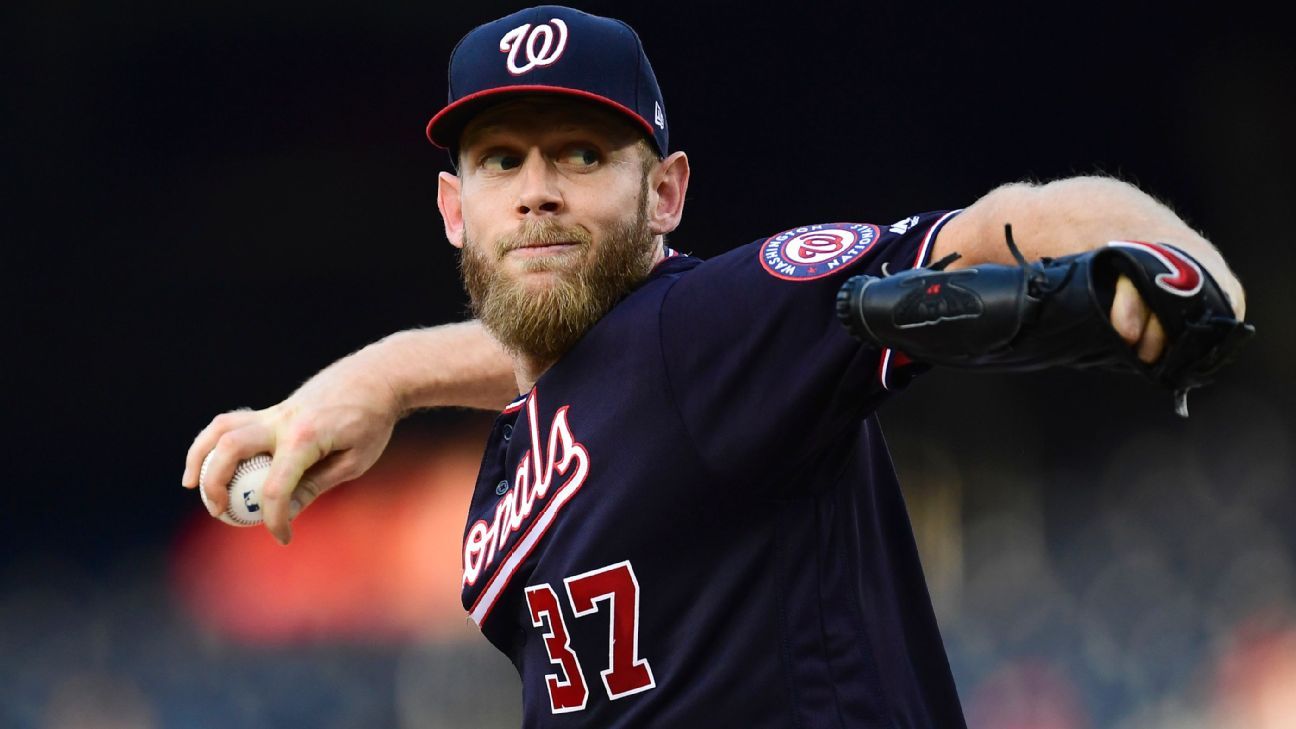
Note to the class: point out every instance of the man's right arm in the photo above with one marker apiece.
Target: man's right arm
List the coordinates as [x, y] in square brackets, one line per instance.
[336, 425]
[453, 365]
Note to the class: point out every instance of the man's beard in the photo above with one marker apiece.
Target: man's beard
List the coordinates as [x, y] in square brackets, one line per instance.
[542, 323]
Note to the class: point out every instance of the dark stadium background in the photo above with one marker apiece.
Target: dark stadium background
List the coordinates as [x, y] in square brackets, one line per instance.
[206, 202]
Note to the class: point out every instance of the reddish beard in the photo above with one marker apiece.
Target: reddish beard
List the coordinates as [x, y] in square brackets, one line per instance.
[543, 322]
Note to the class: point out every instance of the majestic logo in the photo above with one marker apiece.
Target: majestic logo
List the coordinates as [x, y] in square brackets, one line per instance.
[1183, 276]
[903, 226]
[532, 482]
[536, 42]
[815, 251]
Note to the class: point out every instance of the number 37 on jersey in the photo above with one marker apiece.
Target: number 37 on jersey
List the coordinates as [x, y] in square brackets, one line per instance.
[615, 589]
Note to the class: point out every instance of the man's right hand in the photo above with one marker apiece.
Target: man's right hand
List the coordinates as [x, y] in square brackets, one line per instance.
[334, 427]
[330, 431]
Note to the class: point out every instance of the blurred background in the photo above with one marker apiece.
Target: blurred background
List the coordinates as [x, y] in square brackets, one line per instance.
[206, 202]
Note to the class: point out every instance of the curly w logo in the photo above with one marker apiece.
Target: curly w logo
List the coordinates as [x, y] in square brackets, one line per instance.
[538, 43]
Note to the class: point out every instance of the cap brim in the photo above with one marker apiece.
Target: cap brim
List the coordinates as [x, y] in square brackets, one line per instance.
[444, 129]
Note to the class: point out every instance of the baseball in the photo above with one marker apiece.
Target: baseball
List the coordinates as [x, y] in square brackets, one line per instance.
[244, 490]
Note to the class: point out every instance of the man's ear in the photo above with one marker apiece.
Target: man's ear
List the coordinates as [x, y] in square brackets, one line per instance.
[450, 203]
[669, 183]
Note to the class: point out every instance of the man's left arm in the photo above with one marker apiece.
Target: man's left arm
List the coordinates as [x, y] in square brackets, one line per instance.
[1075, 215]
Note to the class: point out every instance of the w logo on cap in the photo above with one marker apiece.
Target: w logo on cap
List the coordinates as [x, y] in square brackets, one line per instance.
[537, 42]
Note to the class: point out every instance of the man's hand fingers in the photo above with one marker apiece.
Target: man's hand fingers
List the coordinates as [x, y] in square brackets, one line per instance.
[1153, 342]
[1135, 322]
[1129, 315]
[232, 447]
[321, 477]
[286, 471]
[206, 440]
[315, 480]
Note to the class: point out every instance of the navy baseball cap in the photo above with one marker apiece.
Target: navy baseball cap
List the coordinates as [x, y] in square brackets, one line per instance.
[551, 49]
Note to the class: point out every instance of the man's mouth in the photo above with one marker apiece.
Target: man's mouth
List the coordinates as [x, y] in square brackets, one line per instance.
[539, 250]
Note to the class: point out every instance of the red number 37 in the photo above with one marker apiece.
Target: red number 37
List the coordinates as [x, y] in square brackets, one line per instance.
[626, 673]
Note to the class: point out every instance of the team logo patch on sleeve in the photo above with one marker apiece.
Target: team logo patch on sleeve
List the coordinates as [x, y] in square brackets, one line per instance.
[815, 251]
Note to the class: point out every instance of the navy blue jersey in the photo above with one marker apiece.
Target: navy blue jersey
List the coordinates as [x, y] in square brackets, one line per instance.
[692, 519]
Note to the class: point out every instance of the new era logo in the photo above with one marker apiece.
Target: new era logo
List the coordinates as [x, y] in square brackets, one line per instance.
[658, 116]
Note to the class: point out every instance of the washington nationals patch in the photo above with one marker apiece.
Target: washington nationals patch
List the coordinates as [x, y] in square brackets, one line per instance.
[815, 251]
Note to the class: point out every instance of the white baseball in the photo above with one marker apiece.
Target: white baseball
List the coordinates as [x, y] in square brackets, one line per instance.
[243, 491]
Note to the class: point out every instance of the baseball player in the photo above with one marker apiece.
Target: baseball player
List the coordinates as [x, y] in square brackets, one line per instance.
[686, 515]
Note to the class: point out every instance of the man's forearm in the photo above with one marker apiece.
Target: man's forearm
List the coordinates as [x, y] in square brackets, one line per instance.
[449, 365]
[1072, 216]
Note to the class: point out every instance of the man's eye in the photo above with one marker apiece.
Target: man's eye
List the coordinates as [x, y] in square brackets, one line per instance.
[581, 156]
[500, 161]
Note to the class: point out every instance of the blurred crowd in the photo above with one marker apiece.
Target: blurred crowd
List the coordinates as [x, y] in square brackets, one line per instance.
[1170, 603]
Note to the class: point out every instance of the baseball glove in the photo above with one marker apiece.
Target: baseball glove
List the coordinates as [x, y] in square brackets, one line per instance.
[1053, 312]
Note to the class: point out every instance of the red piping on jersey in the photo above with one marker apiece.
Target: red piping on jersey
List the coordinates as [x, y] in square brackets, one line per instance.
[670, 253]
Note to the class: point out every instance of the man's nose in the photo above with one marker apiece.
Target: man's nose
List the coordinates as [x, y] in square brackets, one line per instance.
[539, 193]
